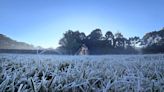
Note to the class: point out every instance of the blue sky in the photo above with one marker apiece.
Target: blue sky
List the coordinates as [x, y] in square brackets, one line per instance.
[43, 22]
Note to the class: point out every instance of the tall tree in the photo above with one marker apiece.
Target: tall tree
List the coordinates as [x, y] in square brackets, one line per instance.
[134, 41]
[153, 42]
[72, 41]
[118, 35]
[95, 42]
[109, 38]
[119, 41]
[95, 35]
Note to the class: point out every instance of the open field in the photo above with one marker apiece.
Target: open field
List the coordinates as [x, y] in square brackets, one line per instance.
[108, 73]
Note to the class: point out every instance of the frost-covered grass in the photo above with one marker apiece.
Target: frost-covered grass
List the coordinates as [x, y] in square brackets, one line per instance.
[110, 73]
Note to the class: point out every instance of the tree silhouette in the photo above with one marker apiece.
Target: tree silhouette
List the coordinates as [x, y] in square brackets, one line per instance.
[152, 42]
[72, 41]
[95, 35]
[119, 40]
[110, 38]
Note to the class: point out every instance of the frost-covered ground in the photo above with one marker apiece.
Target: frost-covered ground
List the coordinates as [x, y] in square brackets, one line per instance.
[110, 73]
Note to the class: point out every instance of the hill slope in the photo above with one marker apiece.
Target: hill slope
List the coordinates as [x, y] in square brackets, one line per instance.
[8, 43]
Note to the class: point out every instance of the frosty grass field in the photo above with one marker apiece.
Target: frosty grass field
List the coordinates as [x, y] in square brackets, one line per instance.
[109, 73]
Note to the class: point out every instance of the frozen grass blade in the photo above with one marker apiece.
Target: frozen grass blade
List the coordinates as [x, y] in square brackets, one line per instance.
[3, 85]
[20, 87]
[32, 85]
[51, 81]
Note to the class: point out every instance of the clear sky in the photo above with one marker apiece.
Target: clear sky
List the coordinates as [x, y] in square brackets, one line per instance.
[43, 22]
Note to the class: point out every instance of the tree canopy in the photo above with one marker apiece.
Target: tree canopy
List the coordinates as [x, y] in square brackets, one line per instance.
[110, 43]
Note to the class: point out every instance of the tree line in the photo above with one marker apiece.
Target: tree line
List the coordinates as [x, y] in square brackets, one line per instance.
[110, 43]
